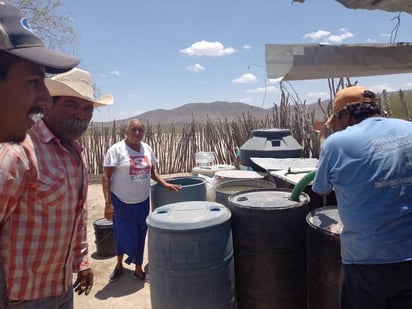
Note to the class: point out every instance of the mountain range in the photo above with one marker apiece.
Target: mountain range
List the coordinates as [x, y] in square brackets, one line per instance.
[201, 112]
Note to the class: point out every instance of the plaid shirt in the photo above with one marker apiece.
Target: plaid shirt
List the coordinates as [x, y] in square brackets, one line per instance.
[43, 215]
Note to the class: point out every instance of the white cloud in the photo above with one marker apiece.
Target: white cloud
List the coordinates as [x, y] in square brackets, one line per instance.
[339, 38]
[204, 48]
[370, 41]
[330, 38]
[247, 78]
[195, 68]
[115, 72]
[385, 35]
[263, 90]
[316, 35]
[247, 47]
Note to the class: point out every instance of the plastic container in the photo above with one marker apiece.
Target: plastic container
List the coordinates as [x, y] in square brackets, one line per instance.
[227, 188]
[204, 158]
[193, 189]
[210, 170]
[190, 254]
[269, 242]
[105, 241]
[222, 176]
[268, 143]
[323, 257]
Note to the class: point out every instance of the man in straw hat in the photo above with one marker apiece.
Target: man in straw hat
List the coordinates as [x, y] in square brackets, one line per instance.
[23, 63]
[368, 163]
[43, 235]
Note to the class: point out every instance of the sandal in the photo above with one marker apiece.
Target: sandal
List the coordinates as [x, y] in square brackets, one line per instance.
[115, 275]
[141, 276]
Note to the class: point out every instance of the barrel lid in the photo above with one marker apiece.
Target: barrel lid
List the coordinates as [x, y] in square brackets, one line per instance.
[184, 181]
[213, 168]
[270, 199]
[188, 215]
[326, 219]
[240, 174]
[102, 222]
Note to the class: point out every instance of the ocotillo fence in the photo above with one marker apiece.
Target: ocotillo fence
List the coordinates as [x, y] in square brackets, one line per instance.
[176, 148]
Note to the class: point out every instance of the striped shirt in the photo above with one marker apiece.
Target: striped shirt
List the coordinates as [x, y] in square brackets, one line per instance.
[43, 237]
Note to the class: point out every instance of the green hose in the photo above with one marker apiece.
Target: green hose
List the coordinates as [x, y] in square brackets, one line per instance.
[294, 196]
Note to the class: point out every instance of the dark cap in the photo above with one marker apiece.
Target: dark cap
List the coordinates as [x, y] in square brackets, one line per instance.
[17, 38]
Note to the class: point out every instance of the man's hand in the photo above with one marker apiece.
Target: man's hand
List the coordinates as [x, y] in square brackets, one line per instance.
[84, 282]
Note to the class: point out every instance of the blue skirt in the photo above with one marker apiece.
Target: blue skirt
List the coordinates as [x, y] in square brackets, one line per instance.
[130, 229]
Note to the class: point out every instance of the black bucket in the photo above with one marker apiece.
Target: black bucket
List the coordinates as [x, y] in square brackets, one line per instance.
[105, 241]
[269, 243]
[323, 258]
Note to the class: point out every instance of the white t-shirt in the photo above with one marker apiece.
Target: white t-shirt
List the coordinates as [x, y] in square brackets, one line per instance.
[130, 181]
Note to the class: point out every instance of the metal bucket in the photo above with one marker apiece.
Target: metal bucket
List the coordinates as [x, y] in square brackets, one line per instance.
[269, 242]
[193, 189]
[105, 241]
[190, 254]
[323, 258]
[227, 188]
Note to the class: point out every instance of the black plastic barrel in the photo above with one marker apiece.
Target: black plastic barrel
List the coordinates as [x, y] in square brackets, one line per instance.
[190, 253]
[269, 242]
[268, 143]
[105, 241]
[229, 187]
[193, 189]
[323, 257]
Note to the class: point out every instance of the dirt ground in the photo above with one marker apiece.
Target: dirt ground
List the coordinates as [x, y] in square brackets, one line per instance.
[127, 292]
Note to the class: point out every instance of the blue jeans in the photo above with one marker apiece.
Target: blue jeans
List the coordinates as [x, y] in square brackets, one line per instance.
[58, 302]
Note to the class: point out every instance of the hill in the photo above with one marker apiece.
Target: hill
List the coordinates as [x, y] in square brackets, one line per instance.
[201, 112]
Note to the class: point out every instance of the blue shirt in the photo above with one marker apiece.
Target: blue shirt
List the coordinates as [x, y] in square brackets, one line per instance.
[369, 166]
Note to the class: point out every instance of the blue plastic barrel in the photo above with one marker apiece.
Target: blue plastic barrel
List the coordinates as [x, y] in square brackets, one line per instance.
[193, 189]
[190, 255]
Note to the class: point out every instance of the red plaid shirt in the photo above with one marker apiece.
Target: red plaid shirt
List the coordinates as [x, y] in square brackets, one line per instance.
[43, 217]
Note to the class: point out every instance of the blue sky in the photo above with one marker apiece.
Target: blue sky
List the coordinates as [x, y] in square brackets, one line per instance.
[162, 54]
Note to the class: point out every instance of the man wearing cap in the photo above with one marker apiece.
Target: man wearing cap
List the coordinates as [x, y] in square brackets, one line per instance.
[43, 235]
[23, 63]
[368, 163]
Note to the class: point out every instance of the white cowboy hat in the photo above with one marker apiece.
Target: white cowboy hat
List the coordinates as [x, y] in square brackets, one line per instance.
[76, 83]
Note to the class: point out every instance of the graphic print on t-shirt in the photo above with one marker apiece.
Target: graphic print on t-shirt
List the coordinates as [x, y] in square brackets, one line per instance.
[139, 167]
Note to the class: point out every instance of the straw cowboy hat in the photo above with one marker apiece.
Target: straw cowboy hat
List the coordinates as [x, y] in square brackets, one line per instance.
[76, 83]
